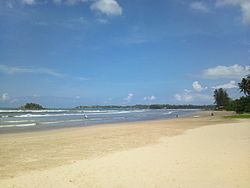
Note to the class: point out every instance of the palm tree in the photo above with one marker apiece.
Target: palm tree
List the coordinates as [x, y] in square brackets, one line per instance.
[244, 85]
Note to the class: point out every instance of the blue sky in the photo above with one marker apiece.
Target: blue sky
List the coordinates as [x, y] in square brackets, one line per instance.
[64, 53]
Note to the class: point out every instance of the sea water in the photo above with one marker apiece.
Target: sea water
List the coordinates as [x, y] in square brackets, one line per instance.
[17, 119]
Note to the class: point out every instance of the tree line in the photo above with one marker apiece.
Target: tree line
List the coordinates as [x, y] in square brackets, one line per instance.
[241, 105]
[152, 106]
[32, 106]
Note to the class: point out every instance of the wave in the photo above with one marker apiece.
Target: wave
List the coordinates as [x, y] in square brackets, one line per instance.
[4, 116]
[94, 111]
[79, 114]
[51, 111]
[18, 125]
[168, 113]
[18, 121]
[74, 117]
[35, 111]
[120, 112]
[47, 115]
[77, 120]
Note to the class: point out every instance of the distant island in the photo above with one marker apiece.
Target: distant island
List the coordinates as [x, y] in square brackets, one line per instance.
[32, 106]
[152, 106]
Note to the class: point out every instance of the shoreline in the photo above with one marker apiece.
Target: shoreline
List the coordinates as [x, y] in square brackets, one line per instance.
[41, 153]
[37, 128]
[37, 145]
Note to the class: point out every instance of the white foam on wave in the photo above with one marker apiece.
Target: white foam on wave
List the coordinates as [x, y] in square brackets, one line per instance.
[52, 111]
[9, 111]
[47, 115]
[30, 115]
[80, 114]
[18, 125]
[18, 121]
[120, 112]
[30, 111]
[168, 113]
[5, 116]
[94, 111]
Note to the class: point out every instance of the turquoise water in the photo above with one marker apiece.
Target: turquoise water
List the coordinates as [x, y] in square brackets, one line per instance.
[13, 119]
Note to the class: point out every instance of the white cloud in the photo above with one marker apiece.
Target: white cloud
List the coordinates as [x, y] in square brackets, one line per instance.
[193, 97]
[81, 20]
[129, 97]
[69, 2]
[232, 84]
[150, 98]
[10, 4]
[197, 86]
[14, 101]
[108, 7]
[199, 6]
[178, 97]
[187, 90]
[190, 96]
[185, 97]
[246, 13]
[243, 4]
[29, 2]
[35, 95]
[20, 70]
[102, 21]
[234, 71]
[4, 97]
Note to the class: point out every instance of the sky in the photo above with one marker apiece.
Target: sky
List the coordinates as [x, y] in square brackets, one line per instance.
[65, 53]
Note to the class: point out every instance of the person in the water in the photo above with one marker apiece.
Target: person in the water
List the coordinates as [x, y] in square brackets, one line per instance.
[85, 116]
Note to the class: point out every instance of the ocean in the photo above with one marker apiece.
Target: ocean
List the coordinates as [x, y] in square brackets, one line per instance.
[14, 120]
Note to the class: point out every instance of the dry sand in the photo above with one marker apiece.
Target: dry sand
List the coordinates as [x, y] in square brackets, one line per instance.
[167, 153]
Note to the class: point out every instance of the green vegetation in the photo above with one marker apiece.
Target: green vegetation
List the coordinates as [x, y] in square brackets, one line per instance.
[32, 106]
[152, 106]
[244, 85]
[221, 98]
[240, 116]
[241, 105]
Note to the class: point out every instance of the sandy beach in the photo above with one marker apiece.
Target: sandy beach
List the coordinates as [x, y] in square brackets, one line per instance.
[189, 152]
